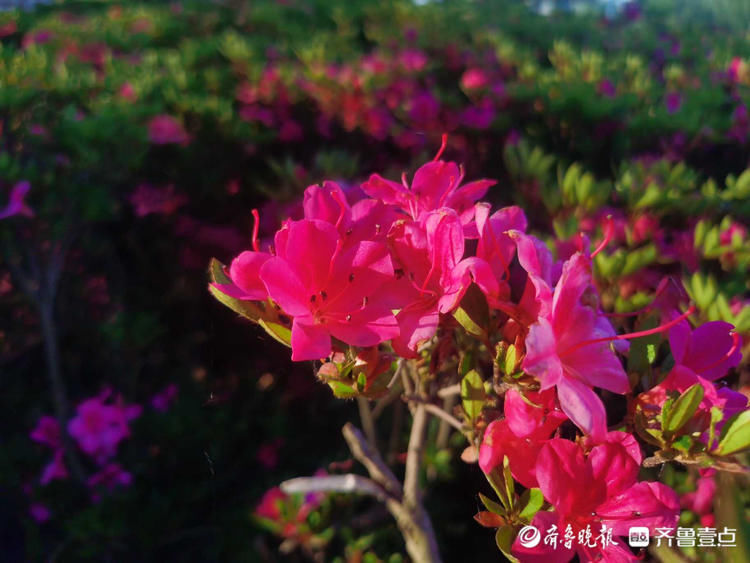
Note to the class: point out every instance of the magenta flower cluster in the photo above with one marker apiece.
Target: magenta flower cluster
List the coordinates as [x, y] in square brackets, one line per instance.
[392, 267]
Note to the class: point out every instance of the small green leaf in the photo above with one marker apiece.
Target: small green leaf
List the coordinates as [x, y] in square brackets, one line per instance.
[491, 505]
[651, 353]
[511, 358]
[683, 409]
[735, 435]
[683, 443]
[531, 501]
[716, 415]
[473, 313]
[248, 309]
[216, 272]
[472, 394]
[504, 540]
[277, 331]
[510, 484]
[467, 363]
[342, 390]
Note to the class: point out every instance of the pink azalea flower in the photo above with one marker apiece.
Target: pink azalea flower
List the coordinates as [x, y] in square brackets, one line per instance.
[16, 204]
[735, 69]
[270, 505]
[38, 37]
[424, 109]
[268, 453]
[98, 428]
[55, 469]
[435, 184]
[260, 114]
[645, 227]
[673, 101]
[290, 131]
[680, 248]
[164, 398]
[606, 88]
[474, 79]
[47, 432]
[8, 28]
[701, 356]
[127, 92]
[520, 435]
[701, 501]
[412, 60]
[710, 350]
[433, 277]
[328, 289]
[495, 246]
[542, 273]
[38, 130]
[110, 476]
[165, 130]
[39, 512]
[478, 116]
[566, 347]
[598, 492]
[147, 199]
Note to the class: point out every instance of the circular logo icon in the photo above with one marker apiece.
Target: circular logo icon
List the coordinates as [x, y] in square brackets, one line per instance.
[529, 536]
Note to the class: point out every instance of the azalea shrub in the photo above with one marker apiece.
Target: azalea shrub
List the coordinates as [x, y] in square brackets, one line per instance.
[378, 286]
[559, 298]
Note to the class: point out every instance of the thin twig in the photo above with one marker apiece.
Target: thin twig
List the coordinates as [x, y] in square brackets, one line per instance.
[445, 424]
[408, 387]
[370, 458]
[382, 404]
[412, 496]
[450, 391]
[368, 421]
[411, 518]
[449, 418]
[396, 426]
[397, 372]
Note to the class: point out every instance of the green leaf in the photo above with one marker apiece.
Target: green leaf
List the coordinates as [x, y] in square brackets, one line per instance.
[342, 390]
[216, 272]
[472, 394]
[683, 443]
[491, 505]
[683, 409]
[716, 415]
[504, 539]
[465, 320]
[247, 309]
[277, 331]
[511, 358]
[735, 435]
[531, 501]
[510, 484]
[473, 313]
[467, 363]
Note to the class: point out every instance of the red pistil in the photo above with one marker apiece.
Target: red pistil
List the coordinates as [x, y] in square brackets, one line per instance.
[443, 144]
[631, 335]
[609, 231]
[342, 207]
[256, 228]
[736, 340]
